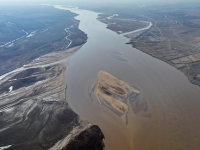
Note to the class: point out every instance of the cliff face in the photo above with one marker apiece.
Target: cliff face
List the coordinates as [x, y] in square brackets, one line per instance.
[90, 139]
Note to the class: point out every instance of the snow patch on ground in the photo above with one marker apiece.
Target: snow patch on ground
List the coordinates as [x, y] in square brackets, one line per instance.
[10, 89]
[32, 34]
[11, 45]
[110, 17]
[5, 147]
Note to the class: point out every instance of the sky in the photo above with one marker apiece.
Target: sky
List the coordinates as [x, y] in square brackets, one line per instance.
[94, 1]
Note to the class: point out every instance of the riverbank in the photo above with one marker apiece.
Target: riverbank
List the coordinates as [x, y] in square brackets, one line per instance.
[165, 38]
[34, 113]
[21, 42]
[123, 25]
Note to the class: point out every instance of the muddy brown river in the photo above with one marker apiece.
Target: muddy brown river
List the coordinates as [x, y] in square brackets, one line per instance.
[173, 120]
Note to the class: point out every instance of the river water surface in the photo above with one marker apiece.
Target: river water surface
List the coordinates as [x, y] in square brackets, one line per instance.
[174, 102]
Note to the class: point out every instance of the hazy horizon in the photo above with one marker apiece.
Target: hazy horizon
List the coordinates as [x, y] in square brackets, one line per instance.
[94, 2]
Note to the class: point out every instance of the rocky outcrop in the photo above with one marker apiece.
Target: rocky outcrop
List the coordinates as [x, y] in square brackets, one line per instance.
[91, 138]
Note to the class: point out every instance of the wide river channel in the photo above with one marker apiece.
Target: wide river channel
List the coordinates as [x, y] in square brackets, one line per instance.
[174, 103]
